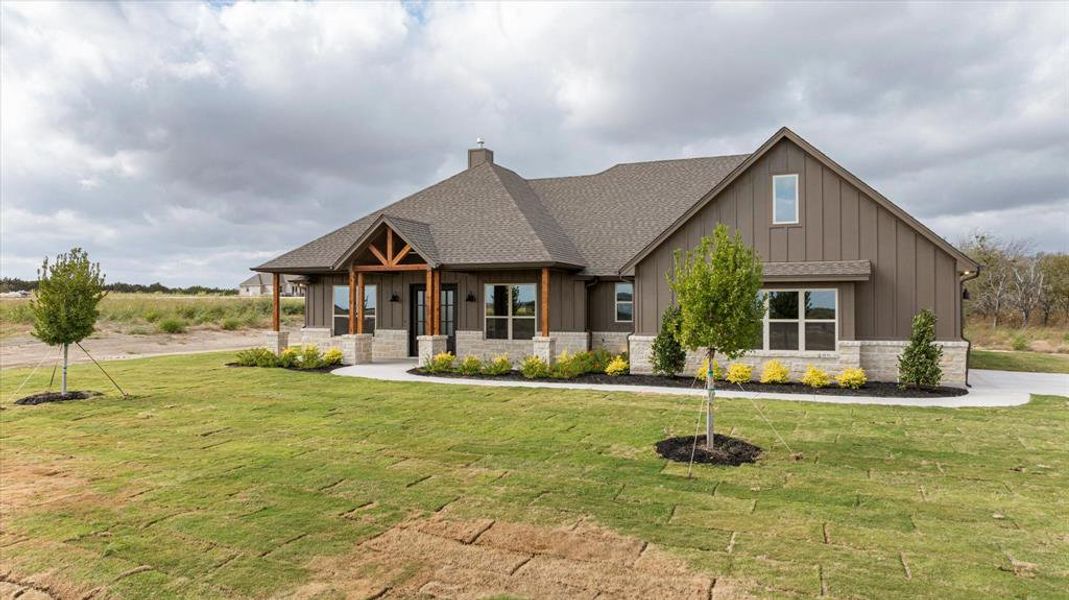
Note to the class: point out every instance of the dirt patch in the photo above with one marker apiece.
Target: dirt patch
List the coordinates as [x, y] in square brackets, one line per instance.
[873, 388]
[45, 397]
[468, 559]
[726, 450]
[328, 369]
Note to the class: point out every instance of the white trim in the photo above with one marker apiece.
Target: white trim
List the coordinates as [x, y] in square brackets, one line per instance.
[801, 320]
[776, 221]
[616, 302]
[509, 317]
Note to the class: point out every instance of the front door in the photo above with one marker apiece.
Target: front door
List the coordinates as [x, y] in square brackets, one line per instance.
[417, 317]
[449, 316]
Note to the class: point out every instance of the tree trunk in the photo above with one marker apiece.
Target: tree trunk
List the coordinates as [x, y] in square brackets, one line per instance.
[710, 389]
[63, 384]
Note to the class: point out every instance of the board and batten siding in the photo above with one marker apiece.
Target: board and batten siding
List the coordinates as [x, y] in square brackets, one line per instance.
[602, 308]
[567, 297]
[836, 222]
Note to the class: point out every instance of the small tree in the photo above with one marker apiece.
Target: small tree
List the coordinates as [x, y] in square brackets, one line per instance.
[717, 286]
[918, 366]
[64, 306]
[669, 357]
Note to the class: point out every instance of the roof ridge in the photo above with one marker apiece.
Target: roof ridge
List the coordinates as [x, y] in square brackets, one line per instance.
[639, 162]
[494, 168]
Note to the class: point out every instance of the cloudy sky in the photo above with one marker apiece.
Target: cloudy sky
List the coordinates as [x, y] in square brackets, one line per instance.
[186, 142]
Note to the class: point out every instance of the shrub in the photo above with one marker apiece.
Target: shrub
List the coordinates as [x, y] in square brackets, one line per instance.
[231, 324]
[739, 373]
[256, 357]
[498, 365]
[471, 365]
[289, 358]
[569, 366]
[669, 357]
[153, 315]
[919, 363]
[618, 366]
[852, 378]
[440, 363]
[332, 357]
[774, 372]
[172, 326]
[815, 378]
[600, 359]
[534, 367]
[309, 357]
[718, 372]
[1020, 342]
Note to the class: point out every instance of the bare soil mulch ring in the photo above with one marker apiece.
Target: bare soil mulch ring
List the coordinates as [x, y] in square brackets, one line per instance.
[328, 369]
[45, 397]
[873, 388]
[726, 450]
[441, 557]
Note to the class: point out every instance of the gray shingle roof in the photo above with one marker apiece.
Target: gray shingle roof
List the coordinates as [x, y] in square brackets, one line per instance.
[490, 215]
[828, 269]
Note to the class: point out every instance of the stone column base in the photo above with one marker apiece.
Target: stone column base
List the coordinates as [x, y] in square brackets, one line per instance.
[544, 348]
[639, 353]
[429, 345]
[277, 341]
[356, 349]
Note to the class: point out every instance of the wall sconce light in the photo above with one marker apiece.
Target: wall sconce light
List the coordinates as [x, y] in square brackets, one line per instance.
[471, 297]
[394, 297]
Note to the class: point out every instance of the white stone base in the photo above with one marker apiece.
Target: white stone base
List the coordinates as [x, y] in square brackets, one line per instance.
[429, 345]
[571, 342]
[356, 349]
[613, 341]
[277, 341]
[544, 348]
[390, 344]
[878, 358]
[320, 336]
[472, 343]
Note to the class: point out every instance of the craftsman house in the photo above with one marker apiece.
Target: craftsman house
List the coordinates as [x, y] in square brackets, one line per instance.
[487, 263]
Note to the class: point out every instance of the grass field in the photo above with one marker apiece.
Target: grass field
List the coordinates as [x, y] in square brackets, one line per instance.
[154, 313]
[219, 482]
[1033, 362]
[1035, 338]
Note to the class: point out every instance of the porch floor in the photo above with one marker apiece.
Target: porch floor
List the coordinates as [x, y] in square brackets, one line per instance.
[989, 388]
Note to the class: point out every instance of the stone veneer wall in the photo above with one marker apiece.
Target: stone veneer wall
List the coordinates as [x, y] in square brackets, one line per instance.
[572, 341]
[878, 358]
[613, 341]
[389, 344]
[472, 343]
[320, 336]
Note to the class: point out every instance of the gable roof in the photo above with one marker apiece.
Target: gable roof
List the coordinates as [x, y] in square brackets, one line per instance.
[416, 233]
[964, 261]
[262, 279]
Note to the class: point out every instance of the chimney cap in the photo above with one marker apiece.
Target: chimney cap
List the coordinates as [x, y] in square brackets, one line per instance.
[480, 141]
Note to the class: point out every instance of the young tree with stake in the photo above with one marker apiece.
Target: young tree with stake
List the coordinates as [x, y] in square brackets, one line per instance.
[716, 286]
[64, 306]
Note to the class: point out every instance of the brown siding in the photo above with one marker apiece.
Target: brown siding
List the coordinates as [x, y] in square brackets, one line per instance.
[836, 222]
[601, 314]
[567, 298]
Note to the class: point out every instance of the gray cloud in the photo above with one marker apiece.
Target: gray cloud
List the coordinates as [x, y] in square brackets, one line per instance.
[186, 142]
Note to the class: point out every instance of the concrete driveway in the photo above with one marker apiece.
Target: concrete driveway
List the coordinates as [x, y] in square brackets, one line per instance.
[989, 388]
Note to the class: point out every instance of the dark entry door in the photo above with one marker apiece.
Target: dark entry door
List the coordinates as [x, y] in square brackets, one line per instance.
[449, 316]
[417, 316]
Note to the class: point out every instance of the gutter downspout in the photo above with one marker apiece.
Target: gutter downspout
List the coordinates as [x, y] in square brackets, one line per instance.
[968, 348]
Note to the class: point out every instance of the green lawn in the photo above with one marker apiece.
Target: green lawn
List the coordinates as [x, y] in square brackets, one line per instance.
[1033, 362]
[229, 482]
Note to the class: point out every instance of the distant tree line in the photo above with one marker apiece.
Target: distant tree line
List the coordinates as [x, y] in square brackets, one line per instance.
[14, 284]
[1016, 283]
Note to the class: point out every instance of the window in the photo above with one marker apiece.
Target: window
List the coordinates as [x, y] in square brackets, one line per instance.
[800, 320]
[510, 311]
[341, 309]
[625, 302]
[784, 199]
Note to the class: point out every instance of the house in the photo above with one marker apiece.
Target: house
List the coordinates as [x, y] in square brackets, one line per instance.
[487, 262]
[260, 284]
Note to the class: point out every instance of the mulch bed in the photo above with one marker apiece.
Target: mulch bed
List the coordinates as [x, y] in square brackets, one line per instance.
[44, 397]
[233, 365]
[872, 388]
[726, 450]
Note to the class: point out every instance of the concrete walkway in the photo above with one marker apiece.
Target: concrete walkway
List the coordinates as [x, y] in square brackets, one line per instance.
[989, 388]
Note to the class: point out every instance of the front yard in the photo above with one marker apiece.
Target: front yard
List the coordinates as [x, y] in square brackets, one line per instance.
[222, 482]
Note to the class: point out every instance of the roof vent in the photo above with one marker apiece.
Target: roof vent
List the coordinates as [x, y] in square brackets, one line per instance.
[480, 155]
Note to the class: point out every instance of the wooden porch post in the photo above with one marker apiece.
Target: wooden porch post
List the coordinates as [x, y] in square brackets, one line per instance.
[352, 301]
[428, 301]
[544, 309]
[360, 303]
[275, 278]
[437, 302]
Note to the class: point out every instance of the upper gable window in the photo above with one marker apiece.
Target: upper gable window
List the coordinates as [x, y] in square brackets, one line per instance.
[784, 199]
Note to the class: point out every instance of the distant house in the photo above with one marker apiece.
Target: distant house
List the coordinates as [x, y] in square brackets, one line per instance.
[487, 262]
[260, 285]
